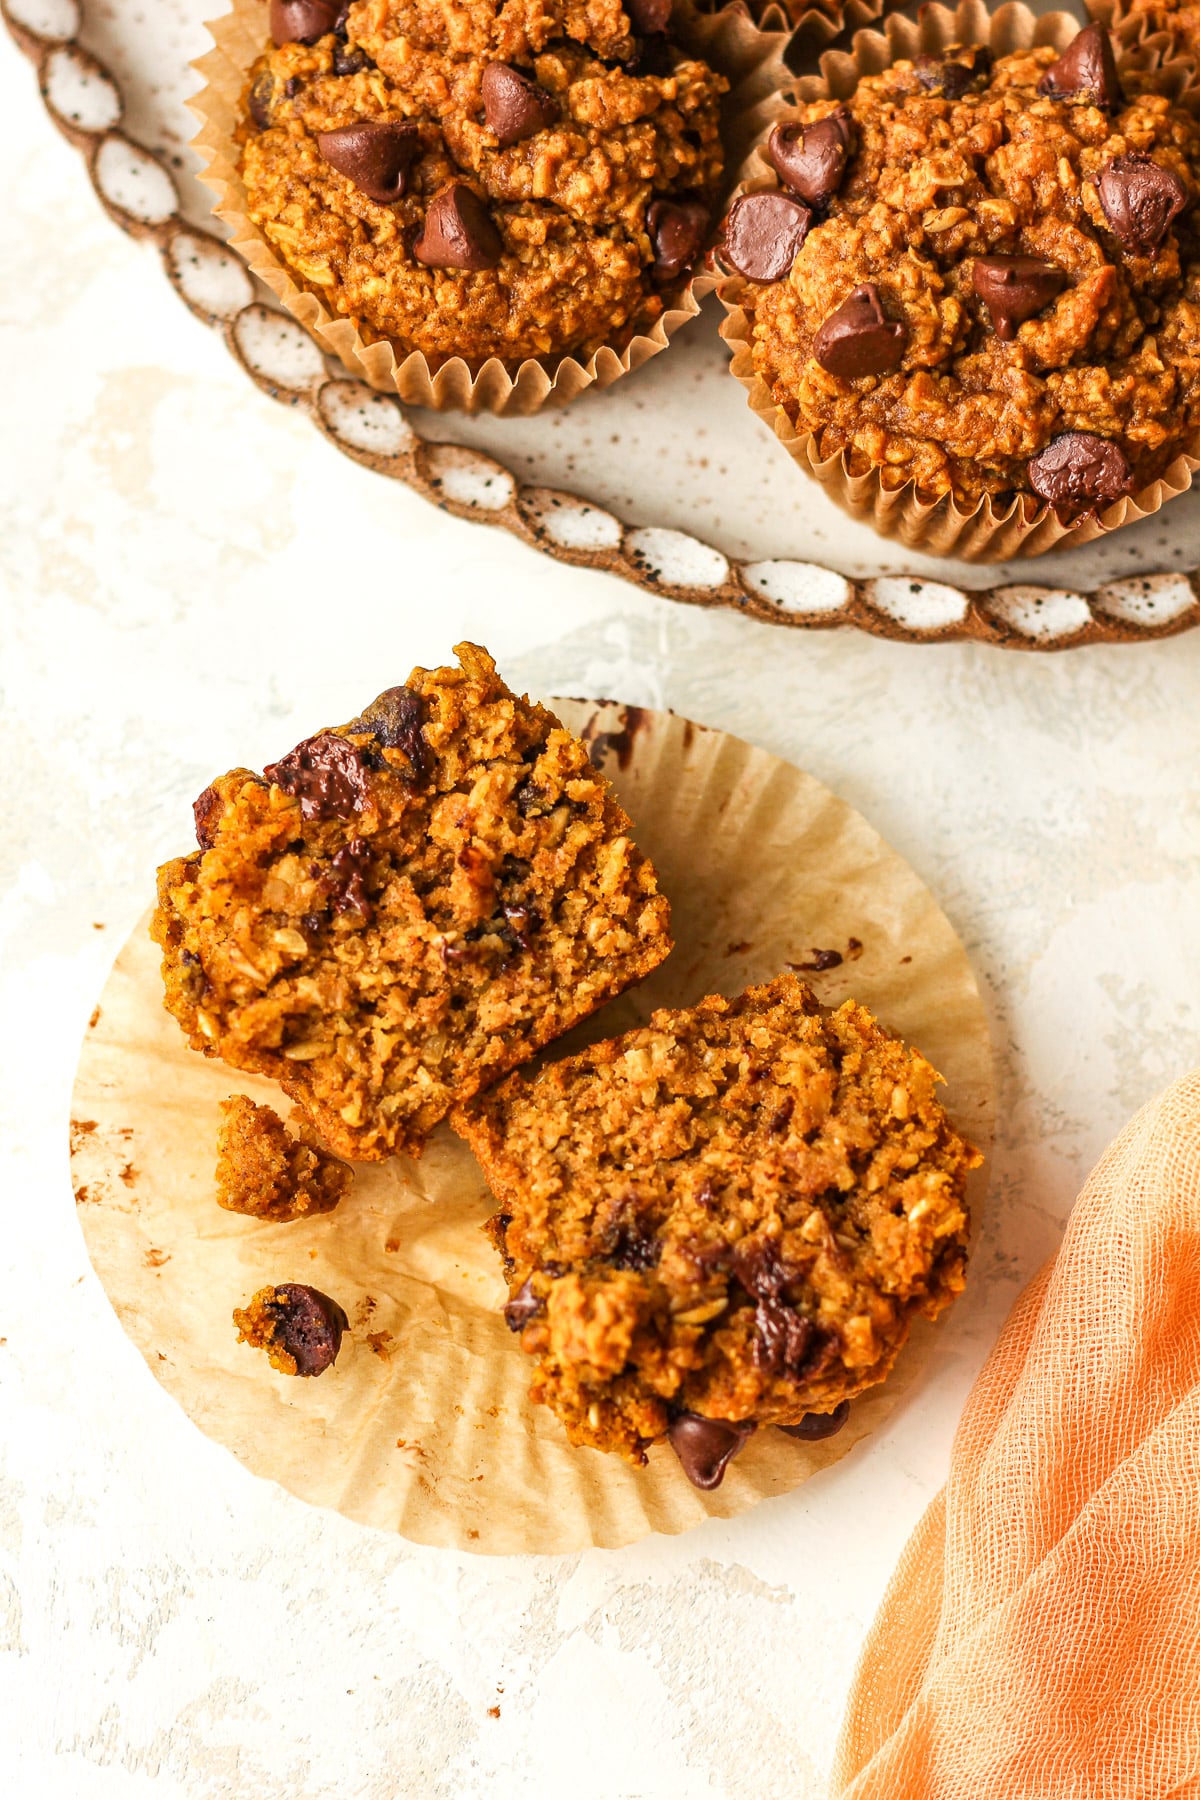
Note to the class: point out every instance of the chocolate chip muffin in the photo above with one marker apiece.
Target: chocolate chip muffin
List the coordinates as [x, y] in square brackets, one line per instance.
[516, 181]
[726, 1219]
[983, 278]
[402, 909]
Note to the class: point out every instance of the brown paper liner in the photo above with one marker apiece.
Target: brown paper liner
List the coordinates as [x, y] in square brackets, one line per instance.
[424, 1425]
[1135, 30]
[985, 532]
[750, 58]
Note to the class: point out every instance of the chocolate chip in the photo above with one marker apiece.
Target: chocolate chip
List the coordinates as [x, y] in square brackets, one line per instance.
[458, 232]
[653, 56]
[677, 231]
[763, 234]
[523, 1306]
[349, 62]
[1079, 466]
[514, 107]
[519, 923]
[346, 883]
[649, 15]
[206, 811]
[781, 1117]
[531, 800]
[326, 774]
[262, 93]
[815, 1426]
[783, 1338]
[948, 75]
[291, 87]
[1086, 71]
[302, 21]
[811, 159]
[308, 1325]
[858, 338]
[1140, 198]
[1015, 288]
[375, 154]
[395, 720]
[706, 1447]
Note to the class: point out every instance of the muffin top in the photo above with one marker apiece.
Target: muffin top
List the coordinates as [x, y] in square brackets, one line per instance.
[515, 181]
[983, 278]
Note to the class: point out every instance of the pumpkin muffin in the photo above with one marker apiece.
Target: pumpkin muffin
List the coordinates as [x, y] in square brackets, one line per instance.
[516, 181]
[402, 909]
[983, 278]
[725, 1219]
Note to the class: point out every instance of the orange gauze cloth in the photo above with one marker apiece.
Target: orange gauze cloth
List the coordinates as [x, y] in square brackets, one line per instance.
[1041, 1636]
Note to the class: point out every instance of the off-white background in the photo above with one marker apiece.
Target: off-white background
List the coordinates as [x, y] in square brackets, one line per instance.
[192, 579]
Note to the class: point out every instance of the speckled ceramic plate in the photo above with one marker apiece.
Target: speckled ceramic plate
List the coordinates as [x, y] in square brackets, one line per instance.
[667, 480]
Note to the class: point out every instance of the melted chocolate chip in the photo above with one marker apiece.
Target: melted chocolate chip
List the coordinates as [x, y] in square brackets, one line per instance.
[858, 338]
[647, 16]
[1140, 198]
[653, 56]
[811, 159]
[308, 1325]
[375, 154]
[1085, 72]
[1015, 288]
[395, 720]
[520, 922]
[815, 1426]
[349, 62]
[784, 1339]
[262, 93]
[1079, 467]
[952, 75]
[781, 1117]
[514, 107]
[763, 234]
[706, 1447]
[531, 800]
[345, 884]
[206, 810]
[677, 230]
[302, 21]
[523, 1306]
[458, 232]
[326, 774]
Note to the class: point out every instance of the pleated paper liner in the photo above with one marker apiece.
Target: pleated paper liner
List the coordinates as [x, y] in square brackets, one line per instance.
[1167, 34]
[752, 61]
[424, 1426]
[986, 532]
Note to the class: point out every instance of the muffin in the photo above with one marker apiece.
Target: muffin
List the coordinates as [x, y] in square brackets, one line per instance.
[526, 181]
[981, 277]
[402, 909]
[723, 1220]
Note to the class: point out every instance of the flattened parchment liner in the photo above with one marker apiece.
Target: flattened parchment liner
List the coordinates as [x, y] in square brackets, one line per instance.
[423, 1426]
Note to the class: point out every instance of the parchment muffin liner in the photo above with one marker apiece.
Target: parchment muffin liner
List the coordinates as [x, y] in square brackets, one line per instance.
[985, 532]
[424, 1425]
[750, 58]
[1135, 31]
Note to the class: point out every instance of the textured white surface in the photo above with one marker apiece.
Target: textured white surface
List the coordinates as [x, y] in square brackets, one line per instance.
[193, 578]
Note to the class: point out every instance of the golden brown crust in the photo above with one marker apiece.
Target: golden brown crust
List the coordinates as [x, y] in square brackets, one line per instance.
[266, 1174]
[935, 182]
[735, 1211]
[462, 890]
[570, 201]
